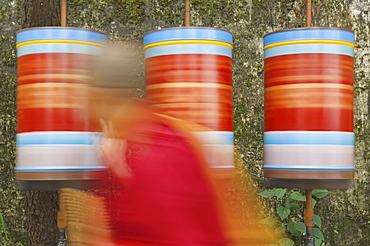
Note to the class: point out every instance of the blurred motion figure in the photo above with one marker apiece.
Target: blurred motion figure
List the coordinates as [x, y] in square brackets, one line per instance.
[160, 190]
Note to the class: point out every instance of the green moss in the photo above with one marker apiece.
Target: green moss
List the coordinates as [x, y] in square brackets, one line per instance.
[129, 11]
[344, 211]
[11, 200]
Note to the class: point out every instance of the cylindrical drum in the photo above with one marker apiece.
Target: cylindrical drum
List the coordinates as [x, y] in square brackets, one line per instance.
[189, 76]
[309, 138]
[56, 143]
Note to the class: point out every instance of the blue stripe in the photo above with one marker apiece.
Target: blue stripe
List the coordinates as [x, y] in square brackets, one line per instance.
[307, 137]
[303, 34]
[177, 49]
[309, 48]
[59, 48]
[310, 168]
[61, 33]
[227, 137]
[67, 168]
[186, 33]
[84, 138]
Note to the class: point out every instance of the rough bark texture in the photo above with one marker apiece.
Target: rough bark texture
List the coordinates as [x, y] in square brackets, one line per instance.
[41, 210]
[40, 13]
[345, 214]
[41, 206]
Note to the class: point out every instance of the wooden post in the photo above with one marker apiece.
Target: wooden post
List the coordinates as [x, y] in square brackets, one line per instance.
[308, 13]
[63, 13]
[187, 13]
[308, 220]
[62, 217]
[62, 221]
[308, 213]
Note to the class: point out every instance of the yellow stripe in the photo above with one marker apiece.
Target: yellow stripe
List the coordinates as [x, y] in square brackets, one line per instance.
[175, 85]
[55, 76]
[308, 86]
[305, 94]
[33, 104]
[53, 92]
[190, 41]
[300, 104]
[318, 41]
[44, 85]
[307, 77]
[61, 70]
[183, 124]
[54, 41]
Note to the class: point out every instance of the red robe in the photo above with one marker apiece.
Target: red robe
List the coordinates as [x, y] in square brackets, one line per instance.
[168, 200]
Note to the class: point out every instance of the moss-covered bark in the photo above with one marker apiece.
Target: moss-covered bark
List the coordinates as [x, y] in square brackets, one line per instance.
[345, 214]
[11, 200]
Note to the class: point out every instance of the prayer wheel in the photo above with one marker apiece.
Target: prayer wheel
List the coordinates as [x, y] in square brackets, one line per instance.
[189, 76]
[309, 138]
[56, 142]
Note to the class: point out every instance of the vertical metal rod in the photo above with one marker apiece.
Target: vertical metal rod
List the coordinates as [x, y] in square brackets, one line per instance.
[308, 220]
[63, 13]
[308, 212]
[308, 13]
[187, 13]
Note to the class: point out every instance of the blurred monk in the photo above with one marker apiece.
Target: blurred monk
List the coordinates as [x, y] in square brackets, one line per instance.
[160, 191]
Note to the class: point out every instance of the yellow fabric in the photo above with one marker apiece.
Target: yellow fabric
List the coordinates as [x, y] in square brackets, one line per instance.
[87, 218]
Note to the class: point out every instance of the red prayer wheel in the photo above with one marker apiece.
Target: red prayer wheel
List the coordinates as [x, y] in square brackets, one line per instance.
[189, 76]
[309, 138]
[55, 138]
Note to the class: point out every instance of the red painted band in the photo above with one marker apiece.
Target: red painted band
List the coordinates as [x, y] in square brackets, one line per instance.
[53, 63]
[53, 119]
[309, 68]
[189, 68]
[309, 119]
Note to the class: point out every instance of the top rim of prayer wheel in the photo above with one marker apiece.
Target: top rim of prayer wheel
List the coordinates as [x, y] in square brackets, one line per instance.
[308, 28]
[309, 33]
[60, 27]
[182, 33]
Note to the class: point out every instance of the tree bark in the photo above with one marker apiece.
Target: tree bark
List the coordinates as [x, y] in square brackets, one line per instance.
[40, 13]
[41, 217]
[41, 206]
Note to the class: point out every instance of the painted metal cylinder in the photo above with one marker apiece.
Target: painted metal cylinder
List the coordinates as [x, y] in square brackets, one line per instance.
[56, 141]
[309, 138]
[189, 76]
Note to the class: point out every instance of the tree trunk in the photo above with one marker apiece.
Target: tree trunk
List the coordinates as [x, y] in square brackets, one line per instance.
[40, 13]
[41, 210]
[41, 206]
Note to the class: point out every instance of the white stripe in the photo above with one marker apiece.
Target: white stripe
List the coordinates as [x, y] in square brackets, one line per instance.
[308, 155]
[215, 137]
[178, 49]
[58, 155]
[59, 48]
[218, 155]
